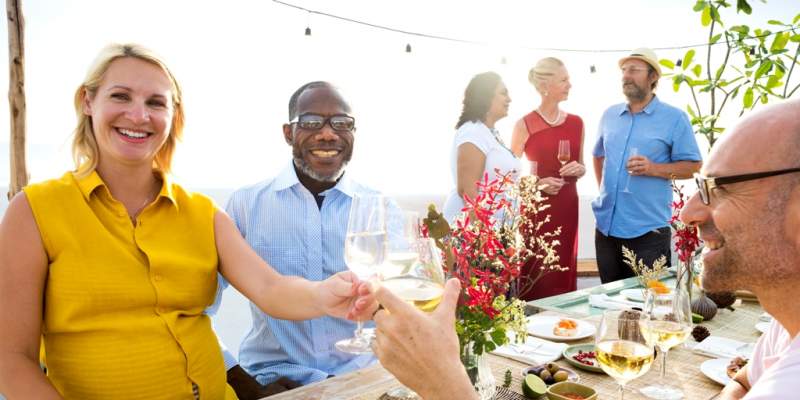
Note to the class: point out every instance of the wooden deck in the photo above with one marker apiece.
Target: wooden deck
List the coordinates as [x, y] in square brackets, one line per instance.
[587, 268]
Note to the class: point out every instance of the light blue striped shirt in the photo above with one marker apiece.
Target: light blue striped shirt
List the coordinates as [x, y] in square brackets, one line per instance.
[281, 221]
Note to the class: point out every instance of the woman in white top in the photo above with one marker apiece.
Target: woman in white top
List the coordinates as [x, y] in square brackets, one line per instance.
[477, 147]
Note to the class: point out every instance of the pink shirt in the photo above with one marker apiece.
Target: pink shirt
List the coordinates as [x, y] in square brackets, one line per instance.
[774, 369]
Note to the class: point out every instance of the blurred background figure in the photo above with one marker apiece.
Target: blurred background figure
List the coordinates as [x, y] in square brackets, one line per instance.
[552, 140]
[477, 147]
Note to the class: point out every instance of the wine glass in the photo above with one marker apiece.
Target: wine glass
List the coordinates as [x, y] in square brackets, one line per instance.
[668, 325]
[563, 152]
[621, 349]
[364, 251]
[412, 271]
[634, 153]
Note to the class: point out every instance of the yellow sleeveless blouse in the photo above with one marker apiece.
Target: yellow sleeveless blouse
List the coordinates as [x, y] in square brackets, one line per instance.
[123, 311]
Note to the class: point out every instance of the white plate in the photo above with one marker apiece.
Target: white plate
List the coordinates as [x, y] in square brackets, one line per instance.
[716, 370]
[633, 294]
[542, 326]
[762, 326]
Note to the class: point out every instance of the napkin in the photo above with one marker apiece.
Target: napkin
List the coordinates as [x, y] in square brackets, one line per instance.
[765, 317]
[720, 347]
[534, 351]
[604, 301]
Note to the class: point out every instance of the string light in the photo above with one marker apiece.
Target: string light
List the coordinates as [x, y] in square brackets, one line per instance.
[552, 49]
[592, 69]
[408, 48]
[308, 24]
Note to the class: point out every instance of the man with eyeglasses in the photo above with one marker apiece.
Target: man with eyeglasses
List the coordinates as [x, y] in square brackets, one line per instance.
[641, 145]
[747, 210]
[297, 223]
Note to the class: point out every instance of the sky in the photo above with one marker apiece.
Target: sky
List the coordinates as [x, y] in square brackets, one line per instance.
[239, 61]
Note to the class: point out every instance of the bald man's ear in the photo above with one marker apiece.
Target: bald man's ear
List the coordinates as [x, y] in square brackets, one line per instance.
[288, 135]
[792, 220]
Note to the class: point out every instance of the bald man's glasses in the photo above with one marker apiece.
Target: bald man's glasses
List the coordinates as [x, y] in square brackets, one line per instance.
[706, 185]
[315, 122]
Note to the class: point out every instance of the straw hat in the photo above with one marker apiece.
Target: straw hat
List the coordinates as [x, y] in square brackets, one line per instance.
[646, 55]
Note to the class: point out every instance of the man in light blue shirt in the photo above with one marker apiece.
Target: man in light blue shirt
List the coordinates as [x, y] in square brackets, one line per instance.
[641, 146]
[297, 222]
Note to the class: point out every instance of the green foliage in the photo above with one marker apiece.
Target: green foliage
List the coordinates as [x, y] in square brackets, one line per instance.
[757, 63]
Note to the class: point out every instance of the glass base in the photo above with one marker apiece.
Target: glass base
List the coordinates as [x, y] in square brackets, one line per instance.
[357, 344]
[403, 393]
[661, 392]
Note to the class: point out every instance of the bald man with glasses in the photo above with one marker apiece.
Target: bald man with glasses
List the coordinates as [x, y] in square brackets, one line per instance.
[747, 210]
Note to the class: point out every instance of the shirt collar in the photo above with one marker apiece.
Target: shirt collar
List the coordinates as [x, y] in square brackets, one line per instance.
[288, 178]
[89, 183]
[648, 109]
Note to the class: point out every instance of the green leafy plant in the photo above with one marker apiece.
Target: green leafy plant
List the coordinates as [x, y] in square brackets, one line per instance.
[756, 65]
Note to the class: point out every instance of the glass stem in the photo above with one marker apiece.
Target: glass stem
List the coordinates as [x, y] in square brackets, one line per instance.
[359, 329]
[621, 392]
[664, 366]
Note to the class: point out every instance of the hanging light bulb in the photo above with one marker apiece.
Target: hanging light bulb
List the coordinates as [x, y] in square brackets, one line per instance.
[678, 64]
[308, 24]
[408, 48]
[308, 31]
[592, 68]
[503, 61]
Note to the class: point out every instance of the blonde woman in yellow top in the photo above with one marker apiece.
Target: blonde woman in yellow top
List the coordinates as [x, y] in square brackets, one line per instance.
[113, 264]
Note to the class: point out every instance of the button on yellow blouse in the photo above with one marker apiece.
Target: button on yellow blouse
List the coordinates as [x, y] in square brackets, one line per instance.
[123, 316]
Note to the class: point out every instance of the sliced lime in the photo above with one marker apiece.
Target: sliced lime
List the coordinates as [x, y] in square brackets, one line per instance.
[533, 387]
[696, 318]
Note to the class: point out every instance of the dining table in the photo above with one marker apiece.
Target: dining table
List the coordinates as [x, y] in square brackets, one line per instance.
[683, 366]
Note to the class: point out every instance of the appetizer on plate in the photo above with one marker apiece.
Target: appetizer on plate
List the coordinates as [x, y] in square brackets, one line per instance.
[565, 327]
[735, 365]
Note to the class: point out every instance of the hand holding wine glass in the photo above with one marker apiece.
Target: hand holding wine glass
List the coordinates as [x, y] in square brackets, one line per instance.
[412, 271]
[668, 325]
[634, 153]
[364, 251]
[622, 351]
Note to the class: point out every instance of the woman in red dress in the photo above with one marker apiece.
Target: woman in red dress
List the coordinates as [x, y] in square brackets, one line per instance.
[538, 135]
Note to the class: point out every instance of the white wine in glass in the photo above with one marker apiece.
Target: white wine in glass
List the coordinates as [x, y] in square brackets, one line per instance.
[364, 252]
[621, 350]
[412, 271]
[668, 324]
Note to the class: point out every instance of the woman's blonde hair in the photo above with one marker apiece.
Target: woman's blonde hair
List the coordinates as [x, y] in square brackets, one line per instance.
[543, 71]
[85, 152]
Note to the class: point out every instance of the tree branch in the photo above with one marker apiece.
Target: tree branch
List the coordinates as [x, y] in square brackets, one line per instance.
[789, 75]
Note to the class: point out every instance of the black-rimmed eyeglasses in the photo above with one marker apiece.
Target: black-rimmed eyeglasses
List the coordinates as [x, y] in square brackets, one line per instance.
[315, 122]
[705, 185]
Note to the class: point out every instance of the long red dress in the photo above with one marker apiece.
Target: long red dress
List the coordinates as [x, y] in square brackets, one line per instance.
[542, 147]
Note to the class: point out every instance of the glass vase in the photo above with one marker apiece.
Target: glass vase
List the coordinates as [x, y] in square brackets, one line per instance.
[684, 277]
[479, 372]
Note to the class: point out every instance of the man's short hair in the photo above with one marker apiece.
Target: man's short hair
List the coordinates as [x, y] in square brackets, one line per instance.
[650, 72]
[299, 91]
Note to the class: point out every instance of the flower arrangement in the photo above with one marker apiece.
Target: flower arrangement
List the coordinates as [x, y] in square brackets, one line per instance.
[686, 238]
[648, 275]
[498, 232]
[686, 242]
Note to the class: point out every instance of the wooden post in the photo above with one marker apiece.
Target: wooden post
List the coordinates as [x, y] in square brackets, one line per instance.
[16, 95]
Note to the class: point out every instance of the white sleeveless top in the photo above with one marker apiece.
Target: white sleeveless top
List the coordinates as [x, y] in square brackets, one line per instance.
[498, 156]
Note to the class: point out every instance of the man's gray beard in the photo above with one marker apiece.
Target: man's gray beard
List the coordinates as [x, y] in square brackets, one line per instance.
[303, 167]
[636, 95]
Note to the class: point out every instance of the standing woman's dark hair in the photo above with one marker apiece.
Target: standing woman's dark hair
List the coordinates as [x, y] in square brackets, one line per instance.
[478, 97]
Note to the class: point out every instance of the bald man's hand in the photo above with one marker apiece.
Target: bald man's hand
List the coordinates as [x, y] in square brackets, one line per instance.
[421, 349]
